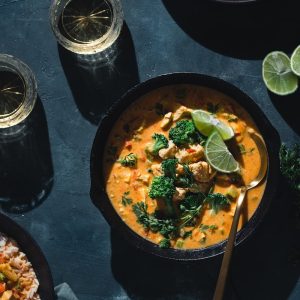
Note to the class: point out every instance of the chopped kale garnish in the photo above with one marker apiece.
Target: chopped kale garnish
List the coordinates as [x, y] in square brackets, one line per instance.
[125, 199]
[204, 227]
[165, 243]
[217, 202]
[187, 179]
[166, 227]
[190, 208]
[243, 150]
[187, 234]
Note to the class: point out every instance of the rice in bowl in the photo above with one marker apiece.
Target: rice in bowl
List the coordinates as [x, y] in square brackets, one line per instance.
[18, 280]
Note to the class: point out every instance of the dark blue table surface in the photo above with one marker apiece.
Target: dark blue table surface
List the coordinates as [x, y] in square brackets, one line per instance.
[159, 37]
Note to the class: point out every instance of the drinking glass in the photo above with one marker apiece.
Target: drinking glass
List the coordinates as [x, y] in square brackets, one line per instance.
[18, 91]
[86, 27]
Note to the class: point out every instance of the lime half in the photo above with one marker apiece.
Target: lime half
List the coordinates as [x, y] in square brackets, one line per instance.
[206, 123]
[218, 155]
[278, 75]
[295, 61]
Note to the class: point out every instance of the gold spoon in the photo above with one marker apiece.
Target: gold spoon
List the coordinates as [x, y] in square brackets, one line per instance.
[219, 291]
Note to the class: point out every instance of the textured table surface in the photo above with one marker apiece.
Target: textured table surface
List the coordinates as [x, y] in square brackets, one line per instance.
[159, 37]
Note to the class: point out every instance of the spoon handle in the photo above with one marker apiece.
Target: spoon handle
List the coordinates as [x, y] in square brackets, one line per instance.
[219, 291]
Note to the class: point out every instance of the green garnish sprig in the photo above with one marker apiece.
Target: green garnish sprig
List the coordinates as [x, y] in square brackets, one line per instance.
[290, 165]
[165, 227]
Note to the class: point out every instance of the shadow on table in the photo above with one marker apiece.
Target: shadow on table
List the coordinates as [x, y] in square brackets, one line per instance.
[263, 267]
[96, 82]
[247, 31]
[26, 171]
[288, 107]
[144, 276]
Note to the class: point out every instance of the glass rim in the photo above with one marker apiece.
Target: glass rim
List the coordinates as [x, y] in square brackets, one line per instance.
[15, 65]
[91, 47]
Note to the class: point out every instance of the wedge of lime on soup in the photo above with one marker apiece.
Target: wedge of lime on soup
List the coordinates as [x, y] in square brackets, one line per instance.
[278, 75]
[218, 155]
[206, 123]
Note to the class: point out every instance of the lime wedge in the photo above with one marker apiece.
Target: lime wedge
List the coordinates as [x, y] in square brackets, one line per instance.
[295, 61]
[278, 75]
[206, 123]
[218, 155]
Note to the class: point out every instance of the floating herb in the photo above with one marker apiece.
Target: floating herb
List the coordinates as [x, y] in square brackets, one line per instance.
[243, 150]
[165, 243]
[125, 200]
[166, 227]
[187, 234]
[204, 227]
[216, 202]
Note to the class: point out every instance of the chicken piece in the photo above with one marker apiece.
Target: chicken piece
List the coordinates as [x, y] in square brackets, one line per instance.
[182, 111]
[166, 121]
[191, 155]
[143, 194]
[168, 152]
[179, 169]
[156, 169]
[144, 178]
[202, 171]
[127, 177]
[179, 194]
[229, 117]
[198, 235]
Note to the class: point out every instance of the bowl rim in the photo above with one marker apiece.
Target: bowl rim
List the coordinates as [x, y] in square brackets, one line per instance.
[102, 202]
[33, 252]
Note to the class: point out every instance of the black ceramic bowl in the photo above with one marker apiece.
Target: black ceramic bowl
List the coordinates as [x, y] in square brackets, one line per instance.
[102, 201]
[34, 254]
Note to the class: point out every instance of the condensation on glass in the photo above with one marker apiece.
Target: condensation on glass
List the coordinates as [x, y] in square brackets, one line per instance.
[18, 91]
[86, 27]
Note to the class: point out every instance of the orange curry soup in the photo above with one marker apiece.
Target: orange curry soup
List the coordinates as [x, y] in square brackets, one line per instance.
[129, 184]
